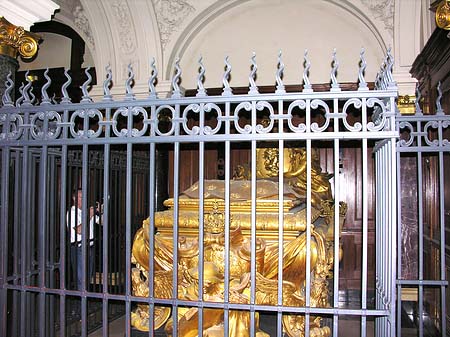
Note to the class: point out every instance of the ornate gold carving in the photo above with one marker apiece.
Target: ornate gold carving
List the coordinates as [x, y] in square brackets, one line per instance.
[14, 39]
[407, 104]
[240, 252]
[443, 15]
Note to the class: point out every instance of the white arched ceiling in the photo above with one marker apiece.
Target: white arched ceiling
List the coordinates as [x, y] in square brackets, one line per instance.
[118, 32]
[270, 25]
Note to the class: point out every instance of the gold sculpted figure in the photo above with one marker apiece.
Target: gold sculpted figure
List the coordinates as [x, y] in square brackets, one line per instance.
[240, 254]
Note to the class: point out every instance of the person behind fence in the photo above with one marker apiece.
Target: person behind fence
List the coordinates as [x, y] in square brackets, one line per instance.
[75, 226]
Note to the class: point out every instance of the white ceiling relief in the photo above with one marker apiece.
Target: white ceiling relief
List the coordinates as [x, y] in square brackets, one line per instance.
[383, 10]
[124, 25]
[74, 11]
[170, 15]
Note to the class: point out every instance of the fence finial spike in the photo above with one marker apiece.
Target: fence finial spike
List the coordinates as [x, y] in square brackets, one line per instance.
[151, 80]
[307, 65]
[417, 102]
[389, 65]
[201, 92]
[439, 110]
[84, 87]
[106, 84]
[227, 91]
[129, 92]
[362, 69]
[9, 84]
[253, 88]
[26, 88]
[21, 98]
[334, 83]
[45, 98]
[176, 92]
[279, 75]
[66, 98]
[33, 97]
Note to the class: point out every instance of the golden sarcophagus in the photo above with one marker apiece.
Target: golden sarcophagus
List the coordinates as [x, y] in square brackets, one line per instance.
[265, 251]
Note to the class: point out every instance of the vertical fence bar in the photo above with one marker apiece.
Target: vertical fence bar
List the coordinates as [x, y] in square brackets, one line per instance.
[399, 245]
[105, 226]
[151, 234]
[4, 234]
[226, 297]
[336, 232]
[129, 186]
[308, 220]
[42, 224]
[24, 230]
[420, 215]
[364, 220]
[253, 229]
[15, 237]
[201, 212]
[377, 236]
[85, 229]
[176, 186]
[442, 235]
[63, 219]
[336, 175]
[280, 219]
[392, 257]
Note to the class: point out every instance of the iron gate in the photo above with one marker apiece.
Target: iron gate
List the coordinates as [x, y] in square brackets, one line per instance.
[35, 276]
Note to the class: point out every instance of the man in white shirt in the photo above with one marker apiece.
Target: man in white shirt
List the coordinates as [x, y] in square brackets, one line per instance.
[75, 225]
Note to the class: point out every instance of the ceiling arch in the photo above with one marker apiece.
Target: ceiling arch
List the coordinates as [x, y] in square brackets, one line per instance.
[292, 25]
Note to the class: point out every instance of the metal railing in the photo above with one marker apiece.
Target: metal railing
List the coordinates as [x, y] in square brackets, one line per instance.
[423, 166]
[32, 132]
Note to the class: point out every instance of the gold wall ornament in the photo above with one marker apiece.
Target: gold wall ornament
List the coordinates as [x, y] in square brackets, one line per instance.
[14, 40]
[443, 15]
[240, 253]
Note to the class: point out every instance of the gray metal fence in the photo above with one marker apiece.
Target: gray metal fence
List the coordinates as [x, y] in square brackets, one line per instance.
[423, 171]
[39, 141]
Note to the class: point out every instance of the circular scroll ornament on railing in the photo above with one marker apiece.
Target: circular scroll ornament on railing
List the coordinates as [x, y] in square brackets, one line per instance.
[301, 104]
[15, 130]
[198, 108]
[85, 114]
[379, 115]
[247, 106]
[405, 142]
[427, 133]
[209, 107]
[357, 103]
[171, 118]
[195, 108]
[260, 106]
[136, 111]
[38, 120]
[125, 112]
[315, 103]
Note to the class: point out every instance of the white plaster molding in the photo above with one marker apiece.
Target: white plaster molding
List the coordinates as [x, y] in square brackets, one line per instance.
[27, 12]
[124, 23]
[75, 16]
[383, 10]
[170, 15]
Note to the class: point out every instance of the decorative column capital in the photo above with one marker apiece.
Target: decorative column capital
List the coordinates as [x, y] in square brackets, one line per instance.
[14, 40]
[443, 15]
